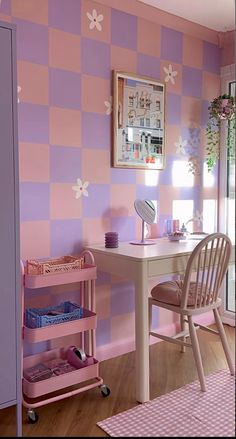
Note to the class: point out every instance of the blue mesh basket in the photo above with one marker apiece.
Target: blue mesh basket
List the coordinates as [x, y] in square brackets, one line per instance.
[64, 312]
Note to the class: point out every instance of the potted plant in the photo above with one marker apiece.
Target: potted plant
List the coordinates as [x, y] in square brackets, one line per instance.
[221, 108]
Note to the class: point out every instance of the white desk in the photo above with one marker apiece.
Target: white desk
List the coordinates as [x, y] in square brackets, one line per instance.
[141, 263]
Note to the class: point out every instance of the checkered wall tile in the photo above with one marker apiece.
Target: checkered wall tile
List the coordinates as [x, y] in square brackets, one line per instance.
[66, 51]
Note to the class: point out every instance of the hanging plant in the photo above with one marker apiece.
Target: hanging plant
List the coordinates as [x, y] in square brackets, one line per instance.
[221, 108]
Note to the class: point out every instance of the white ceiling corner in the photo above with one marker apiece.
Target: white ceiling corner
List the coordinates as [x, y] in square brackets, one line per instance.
[218, 15]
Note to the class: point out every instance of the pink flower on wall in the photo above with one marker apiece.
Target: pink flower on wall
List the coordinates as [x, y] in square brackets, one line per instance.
[108, 105]
[95, 20]
[180, 145]
[80, 188]
[170, 74]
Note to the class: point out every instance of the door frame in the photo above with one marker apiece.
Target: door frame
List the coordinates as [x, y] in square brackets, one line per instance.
[227, 75]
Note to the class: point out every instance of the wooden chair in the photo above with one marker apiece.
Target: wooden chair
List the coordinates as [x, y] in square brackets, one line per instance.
[208, 263]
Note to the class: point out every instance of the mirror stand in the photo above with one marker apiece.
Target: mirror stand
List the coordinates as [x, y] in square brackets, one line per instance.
[146, 211]
[143, 241]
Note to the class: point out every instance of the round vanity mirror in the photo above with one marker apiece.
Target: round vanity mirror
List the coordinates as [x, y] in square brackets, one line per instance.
[147, 212]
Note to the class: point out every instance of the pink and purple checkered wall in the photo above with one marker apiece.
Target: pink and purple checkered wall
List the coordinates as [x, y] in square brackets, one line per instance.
[66, 51]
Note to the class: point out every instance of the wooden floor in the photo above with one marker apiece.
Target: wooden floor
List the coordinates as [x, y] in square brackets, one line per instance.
[77, 415]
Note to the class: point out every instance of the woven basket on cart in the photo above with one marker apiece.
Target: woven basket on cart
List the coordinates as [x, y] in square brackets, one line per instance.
[63, 264]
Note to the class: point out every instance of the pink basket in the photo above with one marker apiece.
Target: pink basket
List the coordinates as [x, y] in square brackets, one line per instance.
[64, 264]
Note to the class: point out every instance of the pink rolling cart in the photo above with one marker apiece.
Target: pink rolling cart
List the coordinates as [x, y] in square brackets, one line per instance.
[56, 373]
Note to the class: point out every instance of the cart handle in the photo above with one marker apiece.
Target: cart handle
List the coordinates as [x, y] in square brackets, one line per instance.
[90, 255]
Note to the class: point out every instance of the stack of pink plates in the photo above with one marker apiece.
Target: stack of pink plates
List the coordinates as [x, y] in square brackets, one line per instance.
[111, 240]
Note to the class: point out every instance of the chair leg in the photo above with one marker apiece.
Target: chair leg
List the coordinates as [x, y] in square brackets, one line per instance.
[224, 340]
[183, 327]
[197, 353]
[150, 316]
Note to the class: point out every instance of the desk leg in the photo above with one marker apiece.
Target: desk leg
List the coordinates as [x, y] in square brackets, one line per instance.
[142, 335]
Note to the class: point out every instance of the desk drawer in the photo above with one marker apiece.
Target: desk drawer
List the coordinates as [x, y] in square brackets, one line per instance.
[170, 265]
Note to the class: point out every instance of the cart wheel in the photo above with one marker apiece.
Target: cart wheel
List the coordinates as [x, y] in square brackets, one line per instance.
[32, 416]
[105, 390]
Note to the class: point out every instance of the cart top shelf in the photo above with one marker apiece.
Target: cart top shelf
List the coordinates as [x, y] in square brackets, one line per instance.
[88, 272]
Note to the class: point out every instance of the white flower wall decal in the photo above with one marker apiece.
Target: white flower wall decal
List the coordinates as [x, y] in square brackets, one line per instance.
[198, 216]
[18, 87]
[194, 165]
[108, 105]
[170, 74]
[80, 188]
[180, 146]
[95, 20]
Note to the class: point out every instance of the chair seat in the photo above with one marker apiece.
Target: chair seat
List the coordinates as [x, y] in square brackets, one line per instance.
[171, 292]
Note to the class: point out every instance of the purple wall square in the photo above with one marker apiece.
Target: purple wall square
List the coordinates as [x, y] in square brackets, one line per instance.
[96, 130]
[147, 192]
[125, 226]
[103, 278]
[65, 164]
[97, 203]
[66, 237]
[123, 29]
[122, 298]
[173, 109]
[204, 113]
[192, 82]
[103, 332]
[171, 45]
[32, 41]
[125, 176]
[155, 317]
[65, 15]
[148, 66]
[33, 123]
[5, 7]
[211, 57]
[35, 348]
[34, 201]
[64, 89]
[166, 174]
[189, 193]
[95, 58]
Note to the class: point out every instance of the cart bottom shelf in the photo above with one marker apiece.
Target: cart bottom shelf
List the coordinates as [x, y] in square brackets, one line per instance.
[55, 383]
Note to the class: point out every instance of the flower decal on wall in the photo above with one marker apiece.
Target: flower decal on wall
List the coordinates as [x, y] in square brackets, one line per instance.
[95, 20]
[170, 74]
[180, 146]
[80, 188]
[18, 88]
[108, 105]
[194, 165]
[198, 216]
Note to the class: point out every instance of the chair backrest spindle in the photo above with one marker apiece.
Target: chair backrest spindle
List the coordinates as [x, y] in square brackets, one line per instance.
[209, 261]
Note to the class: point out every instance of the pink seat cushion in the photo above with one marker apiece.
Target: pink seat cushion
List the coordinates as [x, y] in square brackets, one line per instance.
[171, 292]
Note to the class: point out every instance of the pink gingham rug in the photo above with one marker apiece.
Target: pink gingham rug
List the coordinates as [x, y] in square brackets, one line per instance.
[182, 413]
